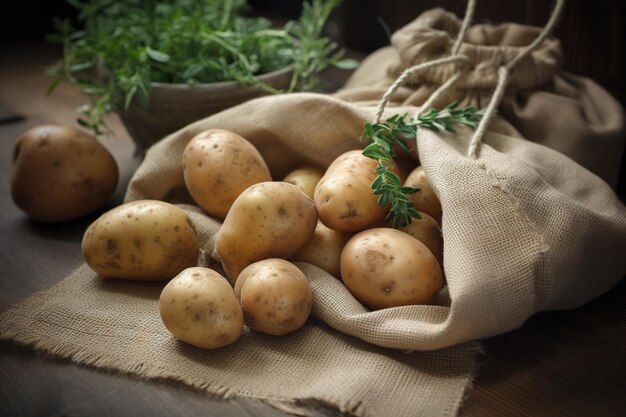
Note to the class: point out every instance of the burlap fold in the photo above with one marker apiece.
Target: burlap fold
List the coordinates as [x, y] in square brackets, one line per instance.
[524, 227]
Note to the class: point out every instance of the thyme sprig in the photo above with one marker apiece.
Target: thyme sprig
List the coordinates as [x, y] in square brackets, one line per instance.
[123, 46]
[396, 131]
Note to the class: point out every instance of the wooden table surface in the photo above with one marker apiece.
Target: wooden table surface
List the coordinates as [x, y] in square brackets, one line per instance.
[570, 363]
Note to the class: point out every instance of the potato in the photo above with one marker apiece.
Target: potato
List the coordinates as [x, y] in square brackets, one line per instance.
[217, 166]
[424, 200]
[343, 197]
[385, 267]
[199, 307]
[427, 231]
[268, 220]
[324, 249]
[305, 179]
[275, 296]
[60, 173]
[144, 240]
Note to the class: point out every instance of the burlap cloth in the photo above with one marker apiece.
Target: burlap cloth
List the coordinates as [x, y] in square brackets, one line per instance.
[525, 228]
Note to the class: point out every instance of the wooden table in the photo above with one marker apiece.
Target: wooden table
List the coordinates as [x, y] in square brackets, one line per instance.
[569, 363]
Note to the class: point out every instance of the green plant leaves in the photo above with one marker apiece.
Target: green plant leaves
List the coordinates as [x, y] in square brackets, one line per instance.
[186, 41]
[396, 130]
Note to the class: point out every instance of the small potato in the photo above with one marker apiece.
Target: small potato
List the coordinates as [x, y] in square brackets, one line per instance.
[60, 173]
[344, 198]
[217, 166]
[427, 231]
[324, 249]
[275, 296]
[145, 240]
[305, 179]
[387, 268]
[424, 200]
[268, 220]
[199, 307]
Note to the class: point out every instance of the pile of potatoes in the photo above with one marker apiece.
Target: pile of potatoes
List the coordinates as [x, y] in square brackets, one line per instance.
[329, 219]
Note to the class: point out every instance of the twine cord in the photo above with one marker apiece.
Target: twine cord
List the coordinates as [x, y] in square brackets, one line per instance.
[503, 79]
[409, 72]
[469, 16]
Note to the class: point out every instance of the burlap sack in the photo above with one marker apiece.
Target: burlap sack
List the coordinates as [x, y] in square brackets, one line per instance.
[525, 228]
[566, 112]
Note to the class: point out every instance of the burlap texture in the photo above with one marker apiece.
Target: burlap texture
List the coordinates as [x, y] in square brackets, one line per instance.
[525, 229]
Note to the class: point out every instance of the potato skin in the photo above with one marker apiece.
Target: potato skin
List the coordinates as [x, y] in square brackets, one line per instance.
[268, 220]
[217, 166]
[343, 197]
[199, 307]
[275, 296]
[427, 231]
[324, 249]
[385, 267]
[145, 240]
[60, 173]
[305, 178]
[424, 200]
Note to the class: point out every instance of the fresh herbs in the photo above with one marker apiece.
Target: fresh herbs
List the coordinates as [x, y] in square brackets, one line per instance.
[125, 45]
[396, 130]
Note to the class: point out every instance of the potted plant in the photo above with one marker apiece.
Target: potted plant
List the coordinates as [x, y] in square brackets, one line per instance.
[163, 64]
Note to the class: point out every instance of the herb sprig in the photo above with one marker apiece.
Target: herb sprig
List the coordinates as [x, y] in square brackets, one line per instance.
[397, 130]
[184, 41]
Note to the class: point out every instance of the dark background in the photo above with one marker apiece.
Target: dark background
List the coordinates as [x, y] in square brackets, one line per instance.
[593, 33]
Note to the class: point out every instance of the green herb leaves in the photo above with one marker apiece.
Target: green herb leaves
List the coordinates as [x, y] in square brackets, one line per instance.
[139, 42]
[395, 131]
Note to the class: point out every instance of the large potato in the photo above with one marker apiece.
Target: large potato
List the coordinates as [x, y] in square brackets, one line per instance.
[424, 200]
[199, 307]
[268, 220]
[324, 249]
[143, 240]
[275, 296]
[305, 179]
[217, 166]
[344, 198]
[427, 231]
[385, 267]
[60, 173]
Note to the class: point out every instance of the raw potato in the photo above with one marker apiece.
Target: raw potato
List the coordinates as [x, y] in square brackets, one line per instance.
[199, 307]
[60, 173]
[343, 197]
[217, 166]
[145, 240]
[385, 267]
[427, 231]
[324, 249]
[305, 179]
[424, 200]
[268, 220]
[275, 296]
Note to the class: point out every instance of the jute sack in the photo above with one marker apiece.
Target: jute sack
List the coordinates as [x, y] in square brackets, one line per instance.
[525, 227]
[569, 113]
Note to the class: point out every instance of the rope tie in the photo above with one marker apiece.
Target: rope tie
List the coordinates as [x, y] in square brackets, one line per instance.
[409, 72]
[504, 72]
